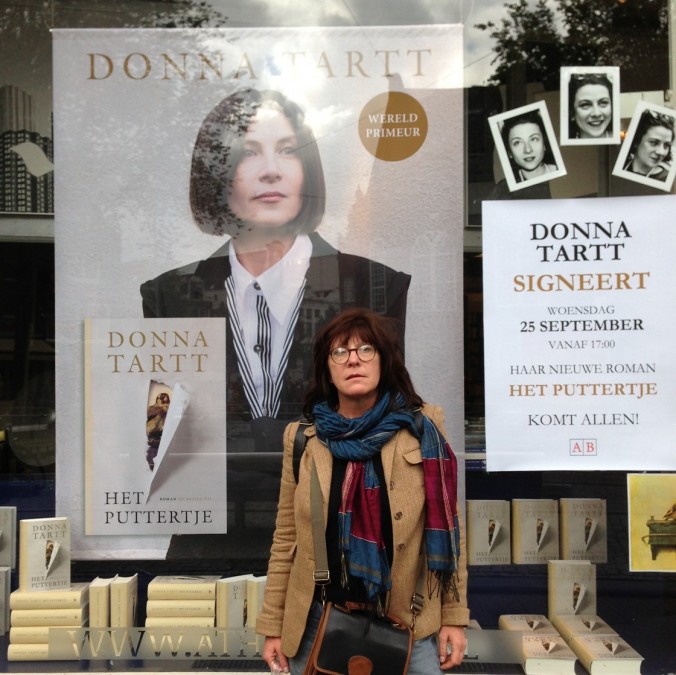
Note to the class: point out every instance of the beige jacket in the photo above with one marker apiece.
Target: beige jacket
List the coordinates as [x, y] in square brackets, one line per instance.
[290, 588]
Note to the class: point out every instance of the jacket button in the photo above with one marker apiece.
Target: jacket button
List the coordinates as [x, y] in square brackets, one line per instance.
[391, 485]
[401, 547]
[398, 515]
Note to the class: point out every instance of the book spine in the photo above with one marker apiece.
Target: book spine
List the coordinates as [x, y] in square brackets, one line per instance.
[180, 621]
[31, 634]
[47, 600]
[47, 617]
[181, 608]
[99, 606]
[169, 591]
[28, 652]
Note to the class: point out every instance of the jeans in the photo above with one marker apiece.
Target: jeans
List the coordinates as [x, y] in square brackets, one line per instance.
[424, 655]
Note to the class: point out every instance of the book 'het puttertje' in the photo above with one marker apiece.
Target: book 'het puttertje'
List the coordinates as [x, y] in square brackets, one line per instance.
[573, 625]
[547, 655]
[74, 597]
[183, 587]
[232, 610]
[44, 554]
[8, 535]
[535, 531]
[583, 531]
[5, 586]
[529, 624]
[99, 602]
[155, 430]
[488, 532]
[606, 655]
[571, 587]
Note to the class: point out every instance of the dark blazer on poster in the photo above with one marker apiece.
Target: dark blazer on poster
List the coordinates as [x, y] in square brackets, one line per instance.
[334, 281]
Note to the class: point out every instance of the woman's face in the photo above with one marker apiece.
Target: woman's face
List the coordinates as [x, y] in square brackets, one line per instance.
[356, 380]
[652, 149]
[592, 110]
[267, 187]
[526, 145]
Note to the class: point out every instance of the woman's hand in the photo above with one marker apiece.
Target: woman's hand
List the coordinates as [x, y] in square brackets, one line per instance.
[451, 638]
[273, 656]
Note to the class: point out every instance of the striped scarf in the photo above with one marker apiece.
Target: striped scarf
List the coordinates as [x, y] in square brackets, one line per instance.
[361, 540]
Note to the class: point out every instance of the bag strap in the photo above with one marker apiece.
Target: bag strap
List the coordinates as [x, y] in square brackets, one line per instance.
[299, 442]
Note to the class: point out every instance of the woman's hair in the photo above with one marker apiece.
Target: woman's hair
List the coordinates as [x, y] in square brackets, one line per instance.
[648, 120]
[576, 82]
[373, 329]
[532, 117]
[218, 150]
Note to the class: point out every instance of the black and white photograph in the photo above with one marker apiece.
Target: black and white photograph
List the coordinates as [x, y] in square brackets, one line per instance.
[526, 145]
[646, 155]
[590, 105]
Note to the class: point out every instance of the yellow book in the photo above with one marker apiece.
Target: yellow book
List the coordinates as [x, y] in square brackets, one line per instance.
[175, 587]
[123, 601]
[181, 608]
[28, 652]
[76, 596]
[180, 621]
[99, 602]
[31, 634]
[49, 617]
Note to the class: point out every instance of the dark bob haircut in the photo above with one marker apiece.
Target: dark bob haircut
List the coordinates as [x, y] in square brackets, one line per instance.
[648, 120]
[530, 117]
[374, 329]
[218, 150]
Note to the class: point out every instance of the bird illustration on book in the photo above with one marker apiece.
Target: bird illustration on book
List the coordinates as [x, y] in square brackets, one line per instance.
[589, 624]
[589, 529]
[579, 591]
[155, 420]
[671, 513]
[549, 645]
[494, 527]
[541, 528]
[611, 645]
[51, 552]
[533, 623]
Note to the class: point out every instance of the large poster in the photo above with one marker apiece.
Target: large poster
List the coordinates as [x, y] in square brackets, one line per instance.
[271, 178]
[579, 314]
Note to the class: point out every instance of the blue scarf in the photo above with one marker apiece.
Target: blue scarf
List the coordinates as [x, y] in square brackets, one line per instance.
[361, 543]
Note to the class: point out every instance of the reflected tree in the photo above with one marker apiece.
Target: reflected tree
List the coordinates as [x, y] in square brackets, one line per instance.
[535, 39]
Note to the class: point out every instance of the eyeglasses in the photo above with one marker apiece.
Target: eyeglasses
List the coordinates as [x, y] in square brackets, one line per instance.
[341, 355]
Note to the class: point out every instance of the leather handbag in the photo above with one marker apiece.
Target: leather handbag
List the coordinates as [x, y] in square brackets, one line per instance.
[352, 639]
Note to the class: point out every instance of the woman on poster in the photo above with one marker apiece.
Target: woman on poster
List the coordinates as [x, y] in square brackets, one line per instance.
[650, 152]
[257, 177]
[365, 436]
[590, 98]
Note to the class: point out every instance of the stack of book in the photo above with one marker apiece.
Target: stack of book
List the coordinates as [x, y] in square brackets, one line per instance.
[181, 601]
[99, 602]
[238, 601]
[33, 613]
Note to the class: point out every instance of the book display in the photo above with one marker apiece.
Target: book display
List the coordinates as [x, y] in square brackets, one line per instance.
[606, 655]
[583, 530]
[574, 625]
[181, 601]
[535, 531]
[533, 624]
[488, 532]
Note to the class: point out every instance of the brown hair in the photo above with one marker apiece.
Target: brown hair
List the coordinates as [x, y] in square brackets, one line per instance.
[374, 329]
[218, 150]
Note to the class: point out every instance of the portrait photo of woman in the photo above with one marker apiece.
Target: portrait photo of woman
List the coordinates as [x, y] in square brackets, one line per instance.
[257, 179]
[646, 155]
[526, 146]
[590, 113]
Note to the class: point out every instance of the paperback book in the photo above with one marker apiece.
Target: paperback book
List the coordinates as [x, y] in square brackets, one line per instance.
[181, 608]
[571, 587]
[8, 536]
[44, 554]
[99, 602]
[49, 617]
[72, 598]
[535, 531]
[529, 624]
[232, 610]
[547, 655]
[488, 532]
[606, 655]
[583, 529]
[5, 586]
[177, 587]
[123, 601]
[574, 625]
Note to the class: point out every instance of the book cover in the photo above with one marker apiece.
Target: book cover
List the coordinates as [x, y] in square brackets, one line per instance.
[529, 624]
[180, 622]
[232, 609]
[571, 587]
[255, 591]
[74, 597]
[155, 426]
[583, 531]
[99, 602]
[8, 536]
[181, 608]
[535, 531]
[547, 655]
[488, 532]
[606, 655]
[572, 625]
[123, 601]
[28, 652]
[177, 587]
[49, 617]
[5, 588]
[44, 554]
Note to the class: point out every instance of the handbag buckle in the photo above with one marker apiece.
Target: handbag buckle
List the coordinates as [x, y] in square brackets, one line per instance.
[321, 577]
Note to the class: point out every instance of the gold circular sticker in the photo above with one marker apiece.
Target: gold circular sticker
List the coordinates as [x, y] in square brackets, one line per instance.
[393, 126]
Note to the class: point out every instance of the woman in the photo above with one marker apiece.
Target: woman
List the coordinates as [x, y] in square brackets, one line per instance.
[590, 97]
[650, 151]
[257, 176]
[363, 404]
[524, 139]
